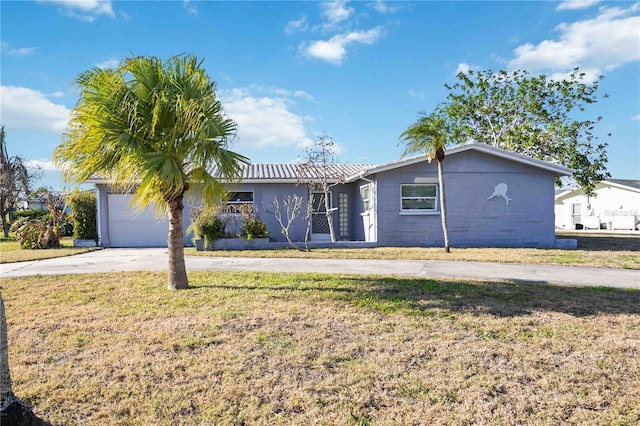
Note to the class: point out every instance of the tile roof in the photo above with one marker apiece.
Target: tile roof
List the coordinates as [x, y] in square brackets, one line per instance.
[293, 171]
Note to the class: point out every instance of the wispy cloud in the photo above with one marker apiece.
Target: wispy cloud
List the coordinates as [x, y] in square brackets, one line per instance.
[189, 7]
[17, 51]
[335, 12]
[109, 63]
[383, 7]
[334, 50]
[595, 45]
[576, 4]
[296, 25]
[23, 108]
[416, 95]
[85, 10]
[636, 117]
[265, 120]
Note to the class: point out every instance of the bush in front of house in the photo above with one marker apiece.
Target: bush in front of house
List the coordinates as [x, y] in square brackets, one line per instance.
[208, 225]
[83, 214]
[253, 227]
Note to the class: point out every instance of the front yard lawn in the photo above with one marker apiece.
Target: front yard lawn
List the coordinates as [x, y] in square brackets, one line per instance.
[10, 251]
[255, 348]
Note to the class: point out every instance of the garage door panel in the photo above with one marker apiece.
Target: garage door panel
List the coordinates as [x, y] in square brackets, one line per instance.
[132, 228]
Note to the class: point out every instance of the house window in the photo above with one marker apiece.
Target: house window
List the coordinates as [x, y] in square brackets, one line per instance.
[419, 197]
[343, 214]
[239, 202]
[365, 194]
[241, 197]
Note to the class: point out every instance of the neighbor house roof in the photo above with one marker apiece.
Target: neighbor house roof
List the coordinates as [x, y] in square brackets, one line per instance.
[469, 146]
[629, 183]
[626, 184]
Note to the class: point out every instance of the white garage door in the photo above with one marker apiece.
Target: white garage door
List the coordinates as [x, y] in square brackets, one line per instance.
[130, 228]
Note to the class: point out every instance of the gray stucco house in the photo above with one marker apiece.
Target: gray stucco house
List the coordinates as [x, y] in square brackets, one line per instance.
[495, 198]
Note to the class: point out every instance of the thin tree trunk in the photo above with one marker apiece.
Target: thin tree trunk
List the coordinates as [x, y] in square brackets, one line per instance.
[443, 208]
[329, 214]
[177, 270]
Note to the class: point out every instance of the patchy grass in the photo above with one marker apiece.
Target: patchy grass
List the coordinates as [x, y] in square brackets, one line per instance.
[10, 251]
[610, 251]
[252, 348]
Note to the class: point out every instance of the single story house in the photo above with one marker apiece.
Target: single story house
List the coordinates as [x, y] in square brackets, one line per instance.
[615, 204]
[495, 198]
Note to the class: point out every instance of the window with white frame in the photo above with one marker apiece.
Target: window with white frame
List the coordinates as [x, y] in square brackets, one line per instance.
[365, 194]
[419, 197]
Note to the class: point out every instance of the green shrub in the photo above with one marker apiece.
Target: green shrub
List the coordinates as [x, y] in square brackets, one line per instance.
[30, 214]
[209, 225]
[83, 214]
[253, 227]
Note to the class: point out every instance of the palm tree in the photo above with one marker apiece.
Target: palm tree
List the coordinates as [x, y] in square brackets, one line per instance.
[153, 128]
[428, 134]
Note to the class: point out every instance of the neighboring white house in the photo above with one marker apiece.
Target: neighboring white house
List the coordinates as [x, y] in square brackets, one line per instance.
[615, 204]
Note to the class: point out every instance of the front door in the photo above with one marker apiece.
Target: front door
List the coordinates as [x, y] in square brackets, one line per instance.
[576, 215]
[319, 222]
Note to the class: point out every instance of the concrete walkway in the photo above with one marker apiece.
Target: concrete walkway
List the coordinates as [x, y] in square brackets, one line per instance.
[119, 260]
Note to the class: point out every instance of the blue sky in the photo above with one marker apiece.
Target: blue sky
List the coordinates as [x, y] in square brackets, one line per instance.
[288, 72]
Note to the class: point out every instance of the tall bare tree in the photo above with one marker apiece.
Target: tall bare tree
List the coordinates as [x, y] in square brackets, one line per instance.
[320, 173]
[15, 181]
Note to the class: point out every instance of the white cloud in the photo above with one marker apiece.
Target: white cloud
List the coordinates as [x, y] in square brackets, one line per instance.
[279, 91]
[17, 51]
[335, 12]
[600, 44]
[383, 7]
[334, 50]
[189, 7]
[636, 117]
[23, 108]
[109, 63]
[576, 4]
[264, 121]
[416, 95]
[296, 25]
[85, 10]
[464, 68]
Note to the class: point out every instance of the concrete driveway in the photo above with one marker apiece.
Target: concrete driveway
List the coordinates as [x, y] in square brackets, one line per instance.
[155, 259]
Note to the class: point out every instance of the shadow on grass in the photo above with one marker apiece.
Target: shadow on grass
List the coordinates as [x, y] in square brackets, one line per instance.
[600, 242]
[418, 296]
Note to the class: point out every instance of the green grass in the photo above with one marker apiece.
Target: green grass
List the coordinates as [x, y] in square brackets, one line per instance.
[595, 250]
[10, 251]
[255, 348]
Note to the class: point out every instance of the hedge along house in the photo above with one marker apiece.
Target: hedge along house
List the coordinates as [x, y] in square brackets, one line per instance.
[495, 198]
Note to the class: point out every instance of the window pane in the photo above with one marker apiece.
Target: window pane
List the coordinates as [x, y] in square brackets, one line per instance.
[418, 191]
[241, 197]
[418, 204]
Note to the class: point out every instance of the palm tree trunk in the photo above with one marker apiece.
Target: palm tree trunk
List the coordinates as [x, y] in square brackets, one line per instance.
[177, 270]
[443, 208]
